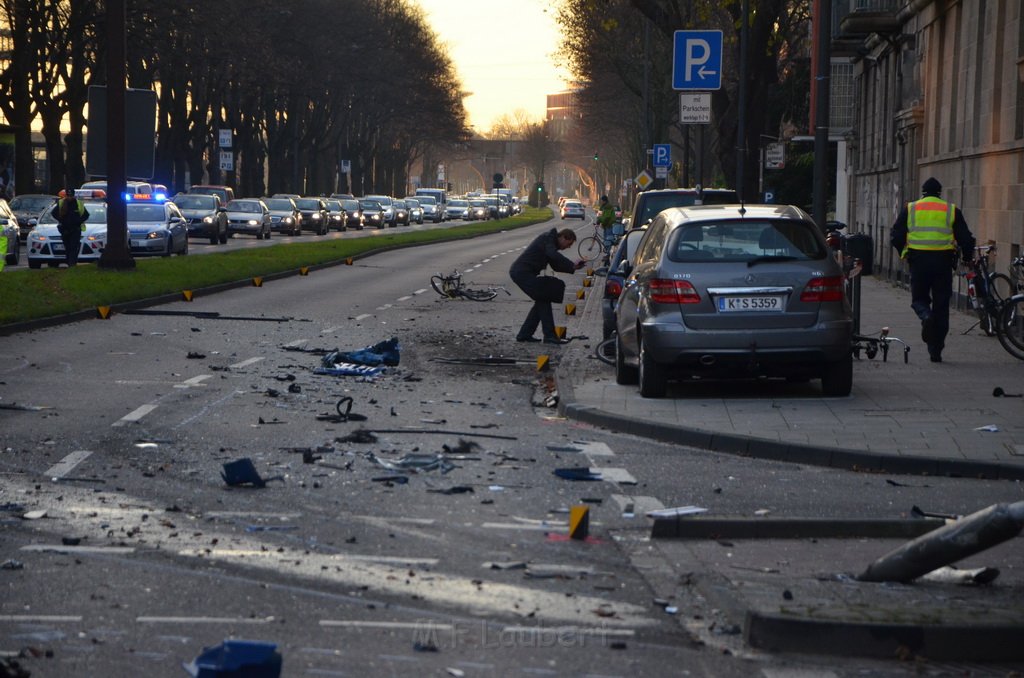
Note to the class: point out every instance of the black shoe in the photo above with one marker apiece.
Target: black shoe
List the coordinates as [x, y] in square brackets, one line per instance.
[935, 357]
[527, 339]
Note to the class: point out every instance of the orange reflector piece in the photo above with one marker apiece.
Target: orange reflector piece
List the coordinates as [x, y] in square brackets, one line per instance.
[588, 281]
[570, 309]
[348, 262]
[257, 282]
[542, 362]
[579, 522]
[186, 295]
[590, 270]
[304, 270]
[102, 312]
[580, 294]
[560, 331]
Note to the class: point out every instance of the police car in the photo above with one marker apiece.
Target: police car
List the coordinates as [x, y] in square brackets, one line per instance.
[45, 245]
[156, 227]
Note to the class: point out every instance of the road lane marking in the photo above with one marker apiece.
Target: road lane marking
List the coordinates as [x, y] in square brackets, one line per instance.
[593, 449]
[194, 381]
[640, 505]
[420, 290]
[332, 330]
[40, 618]
[405, 298]
[247, 553]
[61, 548]
[67, 464]
[203, 620]
[246, 363]
[252, 514]
[363, 316]
[352, 623]
[135, 415]
[561, 630]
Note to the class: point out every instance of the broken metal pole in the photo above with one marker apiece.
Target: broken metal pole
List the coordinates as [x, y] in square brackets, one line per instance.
[948, 544]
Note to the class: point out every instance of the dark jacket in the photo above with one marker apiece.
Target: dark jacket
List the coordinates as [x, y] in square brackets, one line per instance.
[70, 219]
[961, 233]
[540, 254]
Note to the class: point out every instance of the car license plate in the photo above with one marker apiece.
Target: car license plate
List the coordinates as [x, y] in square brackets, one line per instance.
[57, 249]
[138, 243]
[773, 303]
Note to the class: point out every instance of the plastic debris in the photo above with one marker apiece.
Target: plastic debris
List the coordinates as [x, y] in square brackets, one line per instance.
[952, 575]
[12, 564]
[989, 428]
[387, 352]
[249, 658]
[577, 473]
[414, 463]
[243, 472]
[348, 370]
[675, 512]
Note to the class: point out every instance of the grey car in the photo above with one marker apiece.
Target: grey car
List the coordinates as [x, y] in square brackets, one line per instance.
[248, 215]
[206, 216]
[727, 291]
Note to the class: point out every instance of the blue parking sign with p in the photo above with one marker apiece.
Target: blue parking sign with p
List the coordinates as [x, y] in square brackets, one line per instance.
[662, 155]
[697, 60]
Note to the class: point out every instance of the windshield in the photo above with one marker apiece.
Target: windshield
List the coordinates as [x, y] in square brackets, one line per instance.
[279, 204]
[745, 241]
[137, 212]
[97, 214]
[458, 203]
[350, 205]
[244, 206]
[195, 202]
[307, 204]
[426, 200]
[369, 205]
[34, 204]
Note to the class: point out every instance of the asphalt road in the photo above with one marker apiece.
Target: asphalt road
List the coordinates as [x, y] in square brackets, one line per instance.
[144, 556]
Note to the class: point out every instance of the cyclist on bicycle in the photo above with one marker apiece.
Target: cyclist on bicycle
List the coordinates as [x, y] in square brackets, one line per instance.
[606, 219]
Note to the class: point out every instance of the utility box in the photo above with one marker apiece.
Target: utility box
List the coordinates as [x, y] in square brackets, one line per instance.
[139, 133]
[860, 246]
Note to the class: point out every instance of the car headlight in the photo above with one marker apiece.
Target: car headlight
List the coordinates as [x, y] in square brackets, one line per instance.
[288, 220]
[207, 220]
[153, 235]
[96, 238]
[253, 222]
[316, 216]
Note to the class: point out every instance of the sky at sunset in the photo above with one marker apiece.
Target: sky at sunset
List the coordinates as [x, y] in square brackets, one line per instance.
[504, 52]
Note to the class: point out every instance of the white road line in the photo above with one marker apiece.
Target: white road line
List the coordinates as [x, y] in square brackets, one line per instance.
[67, 464]
[40, 618]
[351, 623]
[61, 548]
[405, 298]
[593, 449]
[364, 316]
[137, 414]
[194, 381]
[553, 527]
[297, 342]
[252, 514]
[420, 290]
[384, 307]
[560, 630]
[203, 620]
[332, 330]
[246, 363]
[248, 553]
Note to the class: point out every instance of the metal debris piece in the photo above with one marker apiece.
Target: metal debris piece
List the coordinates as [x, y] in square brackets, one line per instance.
[454, 489]
[511, 565]
[12, 565]
[577, 473]
[414, 463]
[463, 447]
[242, 472]
[195, 355]
[24, 408]
[360, 435]
[394, 478]
[34, 515]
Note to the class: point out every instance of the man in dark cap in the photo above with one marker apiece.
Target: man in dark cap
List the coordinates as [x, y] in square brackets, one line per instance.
[927, 233]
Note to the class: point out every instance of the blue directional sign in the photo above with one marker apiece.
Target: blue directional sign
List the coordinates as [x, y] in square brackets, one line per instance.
[662, 155]
[697, 60]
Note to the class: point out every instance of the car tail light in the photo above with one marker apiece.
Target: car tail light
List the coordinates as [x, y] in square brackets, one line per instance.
[823, 289]
[673, 292]
[612, 289]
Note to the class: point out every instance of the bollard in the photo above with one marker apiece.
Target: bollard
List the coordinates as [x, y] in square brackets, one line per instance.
[560, 331]
[580, 294]
[304, 270]
[102, 312]
[957, 540]
[186, 295]
[257, 282]
[570, 309]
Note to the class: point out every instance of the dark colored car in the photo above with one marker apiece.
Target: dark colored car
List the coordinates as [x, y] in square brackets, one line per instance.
[353, 213]
[373, 213]
[613, 281]
[284, 216]
[649, 203]
[336, 214]
[315, 215]
[732, 291]
[27, 209]
[204, 215]
[401, 212]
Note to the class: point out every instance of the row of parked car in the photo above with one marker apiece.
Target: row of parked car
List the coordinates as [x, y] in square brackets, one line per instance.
[701, 287]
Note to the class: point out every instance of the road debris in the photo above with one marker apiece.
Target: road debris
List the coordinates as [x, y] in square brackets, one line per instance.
[952, 575]
[360, 435]
[414, 463]
[236, 657]
[998, 392]
[676, 512]
[577, 473]
[242, 472]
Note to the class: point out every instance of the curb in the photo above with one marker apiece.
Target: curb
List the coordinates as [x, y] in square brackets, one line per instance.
[698, 527]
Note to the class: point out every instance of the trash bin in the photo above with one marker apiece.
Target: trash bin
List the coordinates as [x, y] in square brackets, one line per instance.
[859, 245]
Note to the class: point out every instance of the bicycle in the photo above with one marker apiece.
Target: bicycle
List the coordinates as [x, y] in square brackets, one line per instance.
[1010, 325]
[452, 287]
[598, 245]
[986, 290]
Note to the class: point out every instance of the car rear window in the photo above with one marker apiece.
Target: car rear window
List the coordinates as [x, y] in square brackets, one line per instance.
[745, 241]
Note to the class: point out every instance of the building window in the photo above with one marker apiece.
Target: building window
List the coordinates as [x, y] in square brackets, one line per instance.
[841, 100]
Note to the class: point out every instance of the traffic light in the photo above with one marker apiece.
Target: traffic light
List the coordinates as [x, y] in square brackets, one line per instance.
[595, 155]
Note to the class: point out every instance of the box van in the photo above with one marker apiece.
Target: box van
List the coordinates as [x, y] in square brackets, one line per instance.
[438, 194]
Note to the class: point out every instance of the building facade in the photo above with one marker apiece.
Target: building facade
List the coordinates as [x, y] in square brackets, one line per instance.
[939, 92]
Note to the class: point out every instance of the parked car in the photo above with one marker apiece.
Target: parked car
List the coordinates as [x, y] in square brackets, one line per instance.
[248, 215]
[27, 209]
[457, 208]
[155, 227]
[734, 291]
[649, 203]
[373, 213]
[478, 210]
[336, 214]
[315, 215]
[401, 212]
[353, 213]
[225, 193]
[284, 215]
[205, 216]
[387, 203]
[573, 209]
[45, 245]
[415, 210]
[614, 278]
[9, 229]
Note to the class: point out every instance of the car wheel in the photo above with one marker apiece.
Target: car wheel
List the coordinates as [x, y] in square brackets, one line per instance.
[837, 379]
[184, 248]
[653, 380]
[625, 375]
[224, 236]
[259, 235]
[266, 236]
[35, 264]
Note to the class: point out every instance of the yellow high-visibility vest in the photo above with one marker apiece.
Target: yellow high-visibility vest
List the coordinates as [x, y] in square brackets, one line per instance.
[930, 225]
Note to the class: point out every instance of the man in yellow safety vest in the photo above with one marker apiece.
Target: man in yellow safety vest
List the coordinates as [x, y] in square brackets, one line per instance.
[927, 234]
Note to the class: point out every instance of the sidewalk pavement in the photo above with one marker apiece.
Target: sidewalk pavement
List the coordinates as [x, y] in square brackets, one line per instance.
[800, 594]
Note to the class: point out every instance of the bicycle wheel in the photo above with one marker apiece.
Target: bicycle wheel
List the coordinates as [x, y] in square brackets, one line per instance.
[478, 295]
[1000, 286]
[590, 248]
[1010, 326]
[441, 286]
